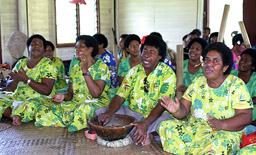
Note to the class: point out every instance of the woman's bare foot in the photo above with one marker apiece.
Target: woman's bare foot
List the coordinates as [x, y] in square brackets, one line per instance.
[16, 121]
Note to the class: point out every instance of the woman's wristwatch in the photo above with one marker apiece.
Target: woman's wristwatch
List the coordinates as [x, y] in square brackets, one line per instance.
[86, 74]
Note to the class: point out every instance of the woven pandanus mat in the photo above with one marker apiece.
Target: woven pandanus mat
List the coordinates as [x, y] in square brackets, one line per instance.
[28, 139]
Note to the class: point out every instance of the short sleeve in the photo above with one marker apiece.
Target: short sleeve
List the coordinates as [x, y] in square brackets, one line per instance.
[48, 70]
[126, 86]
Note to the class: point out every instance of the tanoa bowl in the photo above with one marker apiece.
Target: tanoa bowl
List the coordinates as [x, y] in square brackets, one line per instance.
[117, 128]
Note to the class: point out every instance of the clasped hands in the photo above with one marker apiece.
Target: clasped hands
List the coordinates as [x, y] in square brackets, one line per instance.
[174, 106]
[19, 75]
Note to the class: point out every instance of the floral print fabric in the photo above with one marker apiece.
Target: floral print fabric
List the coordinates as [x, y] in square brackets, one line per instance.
[160, 82]
[44, 69]
[251, 86]
[187, 77]
[72, 113]
[61, 80]
[195, 136]
[109, 59]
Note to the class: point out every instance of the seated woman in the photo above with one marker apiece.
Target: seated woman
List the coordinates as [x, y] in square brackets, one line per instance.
[107, 57]
[217, 107]
[31, 77]
[192, 67]
[246, 72]
[61, 80]
[132, 47]
[88, 86]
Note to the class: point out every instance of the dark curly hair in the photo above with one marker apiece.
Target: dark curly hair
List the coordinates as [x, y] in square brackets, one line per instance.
[36, 36]
[158, 43]
[89, 41]
[129, 39]
[50, 44]
[101, 39]
[224, 51]
[252, 53]
[201, 41]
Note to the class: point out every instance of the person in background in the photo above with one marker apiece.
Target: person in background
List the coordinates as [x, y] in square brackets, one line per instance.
[213, 37]
[196, 33]
[61, 80]
[107, 57]
[121, 53]
[192, 67]
[247, 72]
[185, 40]
[206, 33]
[144, 85]
[237, 49]
[87, 91]
[31, 77]
[211, 116]
[132, 47]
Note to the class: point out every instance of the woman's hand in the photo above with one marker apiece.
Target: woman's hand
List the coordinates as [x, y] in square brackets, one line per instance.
[58, 98]
[170, 105]
[103, 119]
[19, 75]
[214, 123]
[140, 134]
[84, 61]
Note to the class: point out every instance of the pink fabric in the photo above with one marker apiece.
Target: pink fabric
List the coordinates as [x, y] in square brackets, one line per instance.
[236, 59]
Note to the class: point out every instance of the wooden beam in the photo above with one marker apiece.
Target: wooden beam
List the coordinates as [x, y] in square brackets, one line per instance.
[223, 23]
[179, 70]
[245, 35]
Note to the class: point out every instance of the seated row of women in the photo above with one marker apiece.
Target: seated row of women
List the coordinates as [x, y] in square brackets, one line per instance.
[216, 104]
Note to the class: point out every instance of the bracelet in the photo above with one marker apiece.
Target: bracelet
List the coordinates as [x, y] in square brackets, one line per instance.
[28, 82]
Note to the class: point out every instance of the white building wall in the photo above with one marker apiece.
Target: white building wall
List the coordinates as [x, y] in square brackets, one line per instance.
[172, 18]
[9, 23]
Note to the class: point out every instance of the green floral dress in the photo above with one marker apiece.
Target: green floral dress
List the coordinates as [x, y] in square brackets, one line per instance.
[44, 69]
[74, 113]
[195, 136]
[251, 86]
[61, 80]
[160, 82]
[187, 77]
[123, 69]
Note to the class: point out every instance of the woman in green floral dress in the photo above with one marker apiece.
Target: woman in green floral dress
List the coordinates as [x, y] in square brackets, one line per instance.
[247, 72]
[61, 80]
[88, 86]
[31, 77]
[192, 67]
[217, 107]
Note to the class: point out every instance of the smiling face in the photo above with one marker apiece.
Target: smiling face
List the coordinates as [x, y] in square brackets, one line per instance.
[36, 48]
[245, 64]
[134, 48]
[150, 58]
[195, 51]
[82, 50]
[213, 66]
[48, 52]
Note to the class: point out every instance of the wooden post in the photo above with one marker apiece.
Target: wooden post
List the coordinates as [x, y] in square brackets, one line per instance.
[179, 69]
[245, 35]
[223, 23]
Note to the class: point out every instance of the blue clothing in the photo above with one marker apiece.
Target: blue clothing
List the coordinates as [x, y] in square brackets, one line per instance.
[109, 59]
